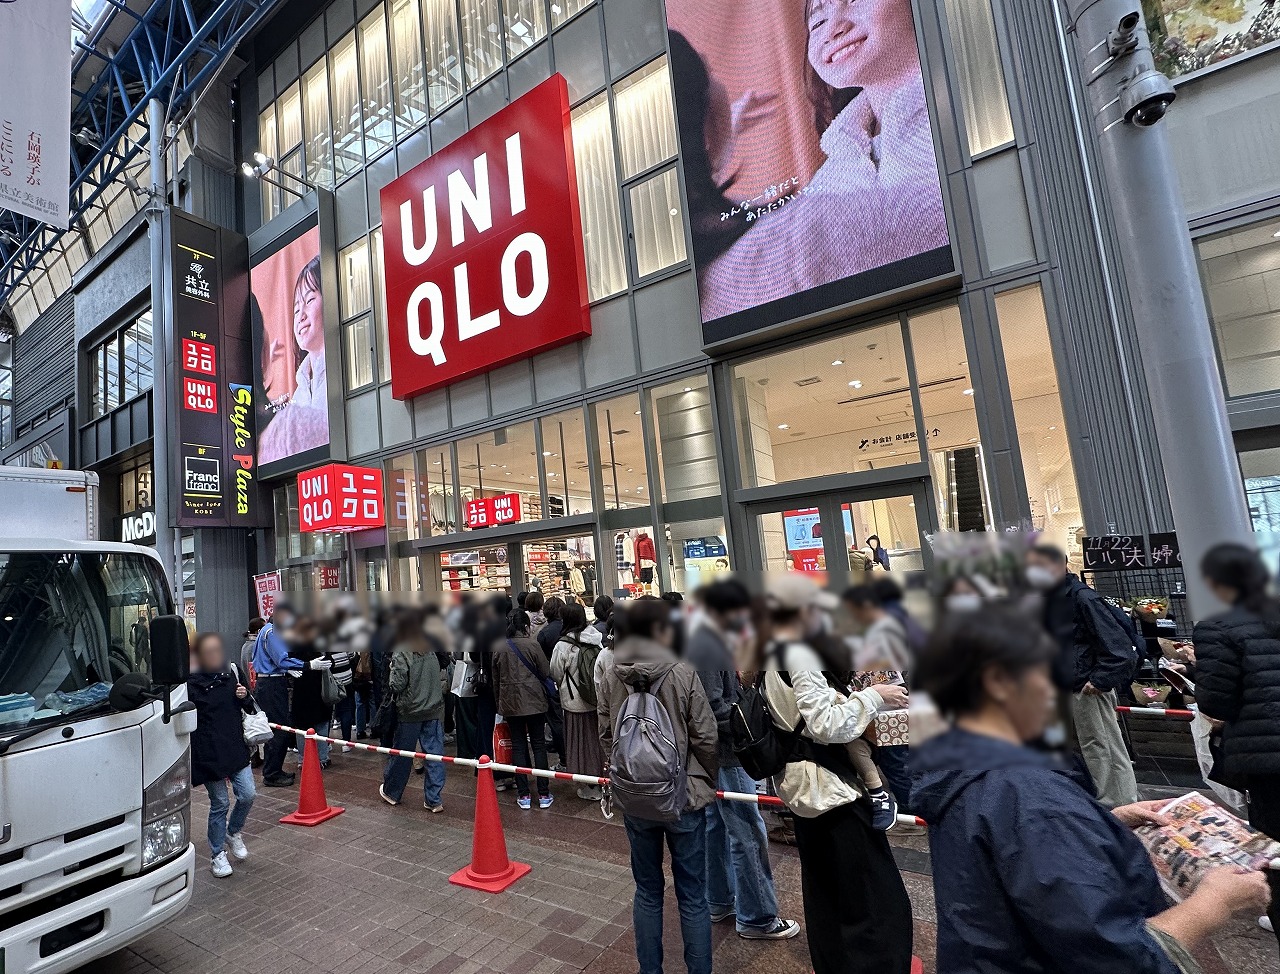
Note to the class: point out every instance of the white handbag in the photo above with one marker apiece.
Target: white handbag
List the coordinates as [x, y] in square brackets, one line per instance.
[464, 679]
[255, 726]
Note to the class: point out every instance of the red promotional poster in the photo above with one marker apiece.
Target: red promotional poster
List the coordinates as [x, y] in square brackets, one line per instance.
[486, 512]
[338, 497]
[483, 248]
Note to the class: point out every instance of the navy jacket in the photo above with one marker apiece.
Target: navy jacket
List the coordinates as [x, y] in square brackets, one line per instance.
[1030, 874]
[1238, 681]
[1096, 647]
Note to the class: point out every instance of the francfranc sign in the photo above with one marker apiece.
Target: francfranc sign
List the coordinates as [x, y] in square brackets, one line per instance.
[484, 257]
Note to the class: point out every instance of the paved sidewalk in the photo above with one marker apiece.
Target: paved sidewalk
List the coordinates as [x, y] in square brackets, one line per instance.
[369, 893]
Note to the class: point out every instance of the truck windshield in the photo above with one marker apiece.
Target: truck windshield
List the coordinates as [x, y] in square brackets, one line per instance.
[71, 623]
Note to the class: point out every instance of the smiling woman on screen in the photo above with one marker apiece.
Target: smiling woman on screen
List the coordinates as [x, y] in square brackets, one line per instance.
[877, 198]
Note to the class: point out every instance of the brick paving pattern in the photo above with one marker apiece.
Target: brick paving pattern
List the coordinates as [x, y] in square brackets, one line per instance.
[369, 893]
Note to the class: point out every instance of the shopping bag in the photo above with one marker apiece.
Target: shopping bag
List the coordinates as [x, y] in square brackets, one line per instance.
[502, 751]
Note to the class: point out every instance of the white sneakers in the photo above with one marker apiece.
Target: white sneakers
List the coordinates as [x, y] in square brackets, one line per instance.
[236, 844]
[220, 867]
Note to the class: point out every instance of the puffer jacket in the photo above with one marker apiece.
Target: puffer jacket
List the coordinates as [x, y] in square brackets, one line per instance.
[807, 788]
[638, 661]
[1238, 681]
[564, 668]
[414, 678]
[1030, 874]
[518, 691]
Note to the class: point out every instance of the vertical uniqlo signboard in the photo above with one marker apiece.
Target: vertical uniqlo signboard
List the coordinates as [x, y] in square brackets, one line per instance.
[488, 512]
[214, 449]
[338, 497]
[483, 248]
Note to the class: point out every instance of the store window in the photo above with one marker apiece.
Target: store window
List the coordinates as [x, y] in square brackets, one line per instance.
[355, 299]
[526, 25]
[564, 567]
[380, 309]
[1241, 273]
[657, 220]
[566, 463]
[408, 69]
[1037, 410]
[502, 461]
[120, 368]
[136, 487]
[838, 406]
[6, 393]
[950, 419]
[292, 542]
[624, 472]
[646, 119]
[344, 98]
[980, 73]
[317, 129]
[375, 85]
[563, 10]
[444, 65]
[481, 40]
[687, 459]
[1261, 471]
[401, 485]
[291, 160]
[598, 197]
[699, 552]
[270, 195]
[437, 505]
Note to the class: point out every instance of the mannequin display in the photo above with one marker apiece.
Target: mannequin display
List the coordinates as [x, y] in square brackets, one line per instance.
[625, 554]
[589, 580]
[577, 581]
[646, 558]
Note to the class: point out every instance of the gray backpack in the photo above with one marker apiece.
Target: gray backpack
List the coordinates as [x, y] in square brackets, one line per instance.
[649, 777]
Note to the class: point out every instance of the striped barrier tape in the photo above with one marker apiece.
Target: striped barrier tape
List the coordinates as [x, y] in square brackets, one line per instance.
[764, 801]
[1158, 712]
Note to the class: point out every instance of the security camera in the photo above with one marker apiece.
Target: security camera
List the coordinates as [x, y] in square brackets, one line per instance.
[1124, 40]
[1146, 98]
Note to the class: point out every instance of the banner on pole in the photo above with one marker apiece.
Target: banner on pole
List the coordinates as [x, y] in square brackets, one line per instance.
[35, 129]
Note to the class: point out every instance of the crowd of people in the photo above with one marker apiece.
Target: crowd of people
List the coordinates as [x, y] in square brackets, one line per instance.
[1024, 779]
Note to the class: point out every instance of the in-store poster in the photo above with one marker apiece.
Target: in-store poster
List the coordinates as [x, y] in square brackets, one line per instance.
[1187, 35]
[809, 157]
[291, 375]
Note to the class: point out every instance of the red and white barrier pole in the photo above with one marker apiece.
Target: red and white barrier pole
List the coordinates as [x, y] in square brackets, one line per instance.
[1158, 712]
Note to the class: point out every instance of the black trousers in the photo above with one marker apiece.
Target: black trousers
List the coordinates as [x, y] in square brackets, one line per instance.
[1264, 815]
[272, 694]
[856, 910]
[524, 731]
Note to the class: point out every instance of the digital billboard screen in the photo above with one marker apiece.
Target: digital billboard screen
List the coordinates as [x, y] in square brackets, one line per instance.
[289, 347]
[809, 156]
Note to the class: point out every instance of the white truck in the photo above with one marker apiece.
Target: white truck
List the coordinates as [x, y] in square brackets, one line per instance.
[95, 732]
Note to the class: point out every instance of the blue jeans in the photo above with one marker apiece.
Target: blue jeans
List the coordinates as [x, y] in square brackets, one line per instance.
[687, 840]
[219, 802]
[322, 730]
[365, 706]
[739, 877]
[410, 735]
[344, 712]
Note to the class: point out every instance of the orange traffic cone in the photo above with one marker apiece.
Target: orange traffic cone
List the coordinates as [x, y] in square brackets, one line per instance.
[917, 965]
[490, 869]
[313, 808]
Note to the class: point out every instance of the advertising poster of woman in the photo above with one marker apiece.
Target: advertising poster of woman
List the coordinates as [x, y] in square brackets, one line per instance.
[809, 154]
[293, 407]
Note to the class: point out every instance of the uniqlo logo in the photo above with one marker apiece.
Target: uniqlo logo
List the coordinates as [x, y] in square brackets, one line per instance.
[199, 357]
[483, 251]
[361, 492]
[339, 497]
[199, 396]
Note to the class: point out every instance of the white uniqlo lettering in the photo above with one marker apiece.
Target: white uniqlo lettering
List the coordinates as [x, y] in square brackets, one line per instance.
[477, 202]
[469, 327]
[429, 345]
[414, 254]
[515, 174]
[518, 304]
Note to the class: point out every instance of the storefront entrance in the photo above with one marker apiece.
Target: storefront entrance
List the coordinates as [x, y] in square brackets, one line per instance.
[832, 537]
[557, 565]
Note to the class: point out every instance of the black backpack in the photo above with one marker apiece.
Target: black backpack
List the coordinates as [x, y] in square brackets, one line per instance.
[762, 747]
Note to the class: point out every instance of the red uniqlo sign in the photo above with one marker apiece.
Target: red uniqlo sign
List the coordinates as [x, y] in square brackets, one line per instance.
[487, 512]
[199, 395]
[199, 357]
[483, 248]
[337, 497]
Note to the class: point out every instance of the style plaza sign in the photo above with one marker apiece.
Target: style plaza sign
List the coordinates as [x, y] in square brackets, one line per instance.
[483, 248]
[339, 497]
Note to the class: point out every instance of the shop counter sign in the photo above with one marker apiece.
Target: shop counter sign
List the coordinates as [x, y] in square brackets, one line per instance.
[484, 256]
[1114, 553]
[328, 576]
[338, 497]
[1165, 551]
[267, 587]
[214, 440]
[488, 512]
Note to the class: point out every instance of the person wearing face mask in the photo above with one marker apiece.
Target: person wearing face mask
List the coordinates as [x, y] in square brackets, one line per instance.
[1031, 875]
[739, 877]
[961, 595]
[273, 664]
[856, 911]
[1096, 658]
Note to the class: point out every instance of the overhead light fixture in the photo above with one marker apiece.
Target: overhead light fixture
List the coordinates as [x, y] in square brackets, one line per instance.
[968, 392]
[838, 361]
[546, 453]
[262, 167]
[855, 384]
[688, 388]
[784, 426]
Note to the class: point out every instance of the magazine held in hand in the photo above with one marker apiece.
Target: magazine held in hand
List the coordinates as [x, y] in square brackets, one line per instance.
[1201, 836]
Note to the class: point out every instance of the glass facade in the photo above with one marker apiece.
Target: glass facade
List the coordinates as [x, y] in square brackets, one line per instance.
[120, 368]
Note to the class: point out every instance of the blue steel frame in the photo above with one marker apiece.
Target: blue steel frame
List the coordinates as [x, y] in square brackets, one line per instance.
[172, 50]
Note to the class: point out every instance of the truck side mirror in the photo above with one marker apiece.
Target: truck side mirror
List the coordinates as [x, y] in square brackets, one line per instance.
[170, 651]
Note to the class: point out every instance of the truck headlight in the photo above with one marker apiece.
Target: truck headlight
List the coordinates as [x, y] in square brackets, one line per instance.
[166, 814]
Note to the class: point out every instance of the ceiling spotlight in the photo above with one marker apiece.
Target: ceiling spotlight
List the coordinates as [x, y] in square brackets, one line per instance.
[968, 392]
[784, 426]
[855, 384]
[688, 388]
[838, 361]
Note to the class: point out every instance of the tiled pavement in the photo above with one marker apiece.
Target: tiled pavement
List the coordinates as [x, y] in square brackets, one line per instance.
[369, 893]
